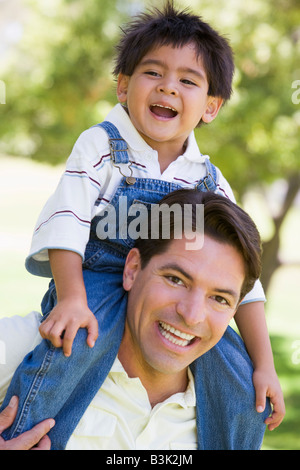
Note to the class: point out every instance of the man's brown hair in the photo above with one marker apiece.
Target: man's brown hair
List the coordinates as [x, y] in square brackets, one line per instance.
[224, 221]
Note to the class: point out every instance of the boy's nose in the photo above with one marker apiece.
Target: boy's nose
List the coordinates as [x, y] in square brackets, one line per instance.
[167, 91]
[168, 87]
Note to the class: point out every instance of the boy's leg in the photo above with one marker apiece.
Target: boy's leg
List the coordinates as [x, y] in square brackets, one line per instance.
[226, 414]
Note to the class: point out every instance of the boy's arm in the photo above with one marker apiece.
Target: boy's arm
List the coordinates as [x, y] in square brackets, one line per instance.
[71, 311]
[251, 322]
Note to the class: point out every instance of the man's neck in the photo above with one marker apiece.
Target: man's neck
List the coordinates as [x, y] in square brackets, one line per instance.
[159, 386]
[159, 390]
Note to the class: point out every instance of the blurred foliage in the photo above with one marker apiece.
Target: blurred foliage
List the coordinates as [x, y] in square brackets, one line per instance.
[59, 82]
[256, 139]
[58, 76]
[286, 437]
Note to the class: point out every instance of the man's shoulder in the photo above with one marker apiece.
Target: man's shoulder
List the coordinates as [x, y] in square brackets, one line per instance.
[18, 336]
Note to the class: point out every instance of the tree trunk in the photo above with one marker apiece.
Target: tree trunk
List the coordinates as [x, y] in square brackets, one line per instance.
[270, 258]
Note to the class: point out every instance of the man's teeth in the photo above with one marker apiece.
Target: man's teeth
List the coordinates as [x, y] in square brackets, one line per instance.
[169, 331]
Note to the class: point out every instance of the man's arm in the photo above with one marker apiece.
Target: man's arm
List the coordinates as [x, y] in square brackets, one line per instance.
[35, 439]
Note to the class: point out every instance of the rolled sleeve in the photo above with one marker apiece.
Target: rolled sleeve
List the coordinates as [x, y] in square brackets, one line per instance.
[64, 222]
[18, 336]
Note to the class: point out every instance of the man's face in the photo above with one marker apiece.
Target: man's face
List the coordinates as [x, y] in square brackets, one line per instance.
[179, 305]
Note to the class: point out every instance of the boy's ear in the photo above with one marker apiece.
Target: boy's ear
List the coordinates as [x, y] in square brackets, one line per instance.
[122, 87]
[213, 107]
[131, 269]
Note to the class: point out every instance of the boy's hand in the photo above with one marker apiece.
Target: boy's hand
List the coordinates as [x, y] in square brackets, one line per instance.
[65, 320]
[266, 384]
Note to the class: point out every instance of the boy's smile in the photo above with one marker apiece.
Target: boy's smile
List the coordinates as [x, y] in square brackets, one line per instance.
[167, 97]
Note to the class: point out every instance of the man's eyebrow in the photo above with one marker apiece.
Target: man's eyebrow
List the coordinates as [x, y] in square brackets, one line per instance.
[160, 63]
[220, 290]
[230, 292]
[176, 267]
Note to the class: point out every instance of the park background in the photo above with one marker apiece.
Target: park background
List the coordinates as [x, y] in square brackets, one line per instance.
[56, 59]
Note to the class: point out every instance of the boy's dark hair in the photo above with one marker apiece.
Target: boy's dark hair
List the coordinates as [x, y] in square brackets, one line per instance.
[177, 28]
[224, 221]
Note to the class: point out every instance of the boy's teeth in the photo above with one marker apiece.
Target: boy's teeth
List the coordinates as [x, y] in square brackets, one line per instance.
[163, 111]
[166, 107]
[168, 331]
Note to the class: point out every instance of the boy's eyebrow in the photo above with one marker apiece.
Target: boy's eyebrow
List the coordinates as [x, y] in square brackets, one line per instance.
[198, 73]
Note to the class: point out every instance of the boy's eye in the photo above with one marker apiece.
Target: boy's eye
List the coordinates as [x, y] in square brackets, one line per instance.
[152, 73]
[188, 82]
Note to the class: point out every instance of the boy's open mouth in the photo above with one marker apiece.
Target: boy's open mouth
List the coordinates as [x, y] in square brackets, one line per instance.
[163, 111]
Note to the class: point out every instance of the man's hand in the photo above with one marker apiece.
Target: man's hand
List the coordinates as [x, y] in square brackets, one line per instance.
[35, 439]
[64, 321]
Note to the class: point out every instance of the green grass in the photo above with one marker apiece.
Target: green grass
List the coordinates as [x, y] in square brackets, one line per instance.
[25, 186]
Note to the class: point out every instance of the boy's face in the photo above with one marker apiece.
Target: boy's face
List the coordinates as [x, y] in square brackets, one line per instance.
[167, 96]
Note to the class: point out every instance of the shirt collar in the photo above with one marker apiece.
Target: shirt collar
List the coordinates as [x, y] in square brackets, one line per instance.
[185, 399]
[120, 118]
[192, 151]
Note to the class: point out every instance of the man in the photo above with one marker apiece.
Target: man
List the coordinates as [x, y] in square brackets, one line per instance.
[174, 378]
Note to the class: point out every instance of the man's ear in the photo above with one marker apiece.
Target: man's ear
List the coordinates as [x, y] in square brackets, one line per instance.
[213, 107]
[131, 268]
[122, 87]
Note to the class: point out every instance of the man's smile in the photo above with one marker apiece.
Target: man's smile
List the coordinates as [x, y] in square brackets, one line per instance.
[174, 335]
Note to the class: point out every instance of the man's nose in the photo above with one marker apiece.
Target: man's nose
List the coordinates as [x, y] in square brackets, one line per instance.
[192, 308]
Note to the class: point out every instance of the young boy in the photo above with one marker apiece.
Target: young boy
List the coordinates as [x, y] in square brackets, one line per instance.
[174, 72]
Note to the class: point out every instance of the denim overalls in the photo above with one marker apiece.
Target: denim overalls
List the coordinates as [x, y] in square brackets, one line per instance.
[50, 385]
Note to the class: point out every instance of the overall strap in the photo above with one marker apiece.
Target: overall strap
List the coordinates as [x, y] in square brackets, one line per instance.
[118, 146]
[209, 183]
[211, 169]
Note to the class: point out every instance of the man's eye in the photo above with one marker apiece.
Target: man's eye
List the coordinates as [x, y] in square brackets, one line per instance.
[175, 280]
[221, 300]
